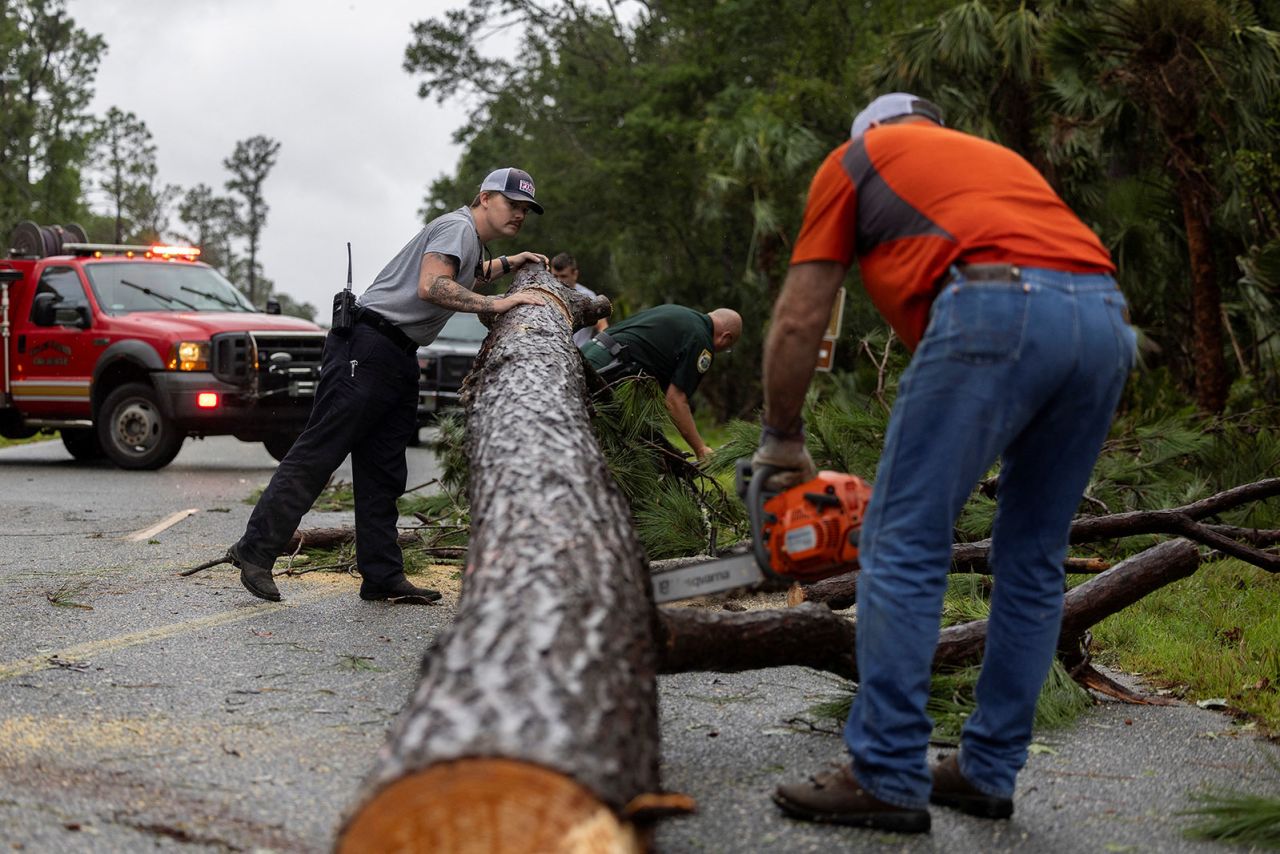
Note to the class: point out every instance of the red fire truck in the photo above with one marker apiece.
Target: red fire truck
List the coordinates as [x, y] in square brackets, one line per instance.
[128, 350]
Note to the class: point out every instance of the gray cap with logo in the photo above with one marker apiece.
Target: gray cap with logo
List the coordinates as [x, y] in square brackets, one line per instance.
[513, 183]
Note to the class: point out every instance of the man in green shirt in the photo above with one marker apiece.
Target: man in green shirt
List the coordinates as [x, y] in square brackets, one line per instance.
[674, 345]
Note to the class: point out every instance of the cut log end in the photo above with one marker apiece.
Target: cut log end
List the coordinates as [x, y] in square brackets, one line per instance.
[484, 805]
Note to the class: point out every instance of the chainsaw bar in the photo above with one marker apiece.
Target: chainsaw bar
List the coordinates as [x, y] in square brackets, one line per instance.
[702, 579]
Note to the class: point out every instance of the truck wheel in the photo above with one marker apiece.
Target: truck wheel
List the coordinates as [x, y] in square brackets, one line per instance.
[278, 444]
[12, 426]
[133, 430]
[82, 443]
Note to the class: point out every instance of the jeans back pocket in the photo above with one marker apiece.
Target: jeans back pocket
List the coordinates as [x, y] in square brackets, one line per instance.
[985, 321]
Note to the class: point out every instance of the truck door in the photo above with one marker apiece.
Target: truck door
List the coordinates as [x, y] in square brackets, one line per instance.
[54, 356]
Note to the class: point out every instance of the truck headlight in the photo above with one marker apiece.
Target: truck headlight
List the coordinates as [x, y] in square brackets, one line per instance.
[190, 356]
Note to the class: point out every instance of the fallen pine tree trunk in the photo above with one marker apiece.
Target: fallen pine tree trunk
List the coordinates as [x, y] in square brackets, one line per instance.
[534, 726]
[812, 635]
[332, 538]
[841, 591]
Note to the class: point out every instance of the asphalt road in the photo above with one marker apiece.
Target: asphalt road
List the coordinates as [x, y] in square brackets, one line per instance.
[152, 712]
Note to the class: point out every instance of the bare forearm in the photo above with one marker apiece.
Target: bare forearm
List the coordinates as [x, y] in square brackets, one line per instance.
[791, 351]
[678, 408]
[446, 293]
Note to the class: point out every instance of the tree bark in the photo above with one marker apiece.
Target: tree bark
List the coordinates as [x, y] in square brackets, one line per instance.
[1196, 195]
[841, 591]
[534, 725]
[812, 635]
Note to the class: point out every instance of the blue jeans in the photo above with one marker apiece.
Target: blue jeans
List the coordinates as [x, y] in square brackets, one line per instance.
[1029, 371]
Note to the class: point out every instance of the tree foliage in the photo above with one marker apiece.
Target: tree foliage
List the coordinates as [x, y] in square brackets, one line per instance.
[211, 223]
[249, 165]
[673, 144]
[1142, 112]
[61, 164]
[47, 66]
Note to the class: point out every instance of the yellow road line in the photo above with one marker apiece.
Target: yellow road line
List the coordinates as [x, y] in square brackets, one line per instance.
[24, 666]
[165, 523]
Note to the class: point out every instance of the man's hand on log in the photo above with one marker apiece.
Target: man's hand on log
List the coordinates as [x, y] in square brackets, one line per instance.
[518, 261]
[501, 305]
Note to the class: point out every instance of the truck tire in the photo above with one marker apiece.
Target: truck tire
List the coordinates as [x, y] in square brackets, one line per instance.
[278, 444]
[82, 443]
[12, 426]
[134, 431]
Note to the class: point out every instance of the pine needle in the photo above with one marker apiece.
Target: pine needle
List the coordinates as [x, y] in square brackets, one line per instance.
[1237, 818]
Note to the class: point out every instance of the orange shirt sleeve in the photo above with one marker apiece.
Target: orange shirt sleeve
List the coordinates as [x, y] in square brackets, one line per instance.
[830, 216]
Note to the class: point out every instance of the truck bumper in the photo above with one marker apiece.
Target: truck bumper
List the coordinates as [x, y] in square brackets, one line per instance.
[431, 401]
[236, 412]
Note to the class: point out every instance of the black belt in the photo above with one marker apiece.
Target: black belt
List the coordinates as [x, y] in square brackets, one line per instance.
[389, 330]
[613, 347]
[621, 365]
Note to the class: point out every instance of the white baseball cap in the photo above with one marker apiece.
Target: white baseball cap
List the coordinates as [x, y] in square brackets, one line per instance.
[892, 106]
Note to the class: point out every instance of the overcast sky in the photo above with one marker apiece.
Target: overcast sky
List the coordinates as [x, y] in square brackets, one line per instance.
[358, 147]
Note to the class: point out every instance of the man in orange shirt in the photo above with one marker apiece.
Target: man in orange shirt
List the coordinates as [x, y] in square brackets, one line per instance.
[1021, 349]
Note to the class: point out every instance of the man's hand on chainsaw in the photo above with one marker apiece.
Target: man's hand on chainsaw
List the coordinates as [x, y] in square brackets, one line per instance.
[788, 456]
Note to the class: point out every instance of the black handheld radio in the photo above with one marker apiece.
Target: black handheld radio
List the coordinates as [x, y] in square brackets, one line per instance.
[344, 304]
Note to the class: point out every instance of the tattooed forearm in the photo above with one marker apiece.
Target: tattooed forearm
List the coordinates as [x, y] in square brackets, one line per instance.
[446, 293]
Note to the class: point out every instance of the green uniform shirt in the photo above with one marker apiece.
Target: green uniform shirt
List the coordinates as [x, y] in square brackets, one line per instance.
[670, 342]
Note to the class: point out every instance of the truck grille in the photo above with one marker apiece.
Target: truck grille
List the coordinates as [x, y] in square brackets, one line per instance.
[239, 357]
[453, 370]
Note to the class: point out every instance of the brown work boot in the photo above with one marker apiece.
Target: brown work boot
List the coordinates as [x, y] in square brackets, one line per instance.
[835, 796]
[399, 592]
[256, 579]
[951, 789]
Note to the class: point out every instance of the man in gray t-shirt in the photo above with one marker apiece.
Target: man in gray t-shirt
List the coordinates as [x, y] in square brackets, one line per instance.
[366, 400]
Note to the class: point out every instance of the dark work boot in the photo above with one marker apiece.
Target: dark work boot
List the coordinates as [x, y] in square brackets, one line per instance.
[399, 592]
[256, 579]
[951, 789]
[835, 796]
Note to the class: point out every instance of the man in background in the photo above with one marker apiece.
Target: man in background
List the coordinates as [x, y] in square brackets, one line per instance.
[672, 344]
[565, 268]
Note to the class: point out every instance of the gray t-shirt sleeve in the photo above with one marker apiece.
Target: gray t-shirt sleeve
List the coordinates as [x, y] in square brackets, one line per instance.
[394, 292]
[452, 237]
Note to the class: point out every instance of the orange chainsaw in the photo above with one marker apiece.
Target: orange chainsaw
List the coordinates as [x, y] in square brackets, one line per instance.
[806, 533]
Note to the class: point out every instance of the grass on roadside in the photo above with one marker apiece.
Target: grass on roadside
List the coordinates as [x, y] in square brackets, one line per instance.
[39, 437]
[1238, 818]
[1214, 634]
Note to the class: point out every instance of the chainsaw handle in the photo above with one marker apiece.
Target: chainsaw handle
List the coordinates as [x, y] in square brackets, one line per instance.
[749, 482]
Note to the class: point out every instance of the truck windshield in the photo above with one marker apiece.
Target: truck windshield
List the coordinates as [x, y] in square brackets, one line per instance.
[122, 287]
[463, 326]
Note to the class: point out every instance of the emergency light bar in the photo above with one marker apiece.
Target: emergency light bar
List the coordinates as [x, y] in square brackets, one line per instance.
[98, 250]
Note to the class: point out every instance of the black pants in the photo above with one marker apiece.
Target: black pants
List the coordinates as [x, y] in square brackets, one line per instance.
[366, 405]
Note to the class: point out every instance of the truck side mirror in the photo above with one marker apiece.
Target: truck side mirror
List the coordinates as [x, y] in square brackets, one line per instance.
[48, 310]
[42, 309]
[76, 315]
[273, 306]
